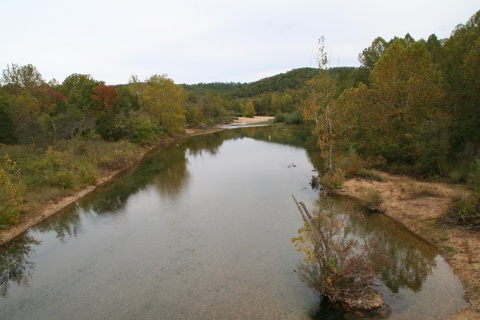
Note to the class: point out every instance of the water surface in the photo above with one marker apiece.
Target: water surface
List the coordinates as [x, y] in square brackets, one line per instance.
[201, 230]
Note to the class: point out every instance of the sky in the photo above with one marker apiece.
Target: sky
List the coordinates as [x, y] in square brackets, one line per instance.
[209, 40]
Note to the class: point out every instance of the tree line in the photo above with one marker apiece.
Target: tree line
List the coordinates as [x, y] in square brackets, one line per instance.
[414, 103]
[35, 111]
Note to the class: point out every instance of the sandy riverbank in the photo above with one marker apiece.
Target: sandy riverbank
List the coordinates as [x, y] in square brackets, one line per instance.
[417, 204]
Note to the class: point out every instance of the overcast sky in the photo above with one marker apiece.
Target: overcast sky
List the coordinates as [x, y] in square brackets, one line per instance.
[208, 40]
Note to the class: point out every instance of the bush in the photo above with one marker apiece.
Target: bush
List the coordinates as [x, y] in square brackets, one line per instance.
[333, 179]
[464, 211]
[351, 164]
[279, 117]
[116, 156]
[88, 175]
[374, 200]
[64, 180]
[10, 195]
[473, 178]
[294, 118]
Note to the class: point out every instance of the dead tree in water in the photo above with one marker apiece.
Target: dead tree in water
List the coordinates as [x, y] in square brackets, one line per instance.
[336, 263]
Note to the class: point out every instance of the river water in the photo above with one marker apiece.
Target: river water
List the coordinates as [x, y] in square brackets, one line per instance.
[202, 230]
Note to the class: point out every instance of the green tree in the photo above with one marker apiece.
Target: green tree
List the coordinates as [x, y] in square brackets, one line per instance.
[163, 100]
[7, 129]
[249, 109]
[459, 56]
[369, 56]
[389, 118]
[18, 79]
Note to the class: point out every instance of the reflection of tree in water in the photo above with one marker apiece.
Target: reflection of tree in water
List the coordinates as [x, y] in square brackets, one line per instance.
[14, 264]
[112, 197]
[291, 136]
[172, 179]
[65, 224]
[413, 258]
[209, 143]
[330, 311]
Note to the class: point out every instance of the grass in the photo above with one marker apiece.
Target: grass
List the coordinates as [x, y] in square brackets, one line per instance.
[370, 174]
[416, 191]
[45, 174]
[374, 200]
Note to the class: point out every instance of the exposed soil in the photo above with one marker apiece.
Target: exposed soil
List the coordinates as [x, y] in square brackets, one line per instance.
[417, 205]
[192, 131]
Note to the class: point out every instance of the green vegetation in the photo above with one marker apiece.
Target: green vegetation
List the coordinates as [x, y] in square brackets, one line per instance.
[412, 107]
[464, 211]
[44, 174]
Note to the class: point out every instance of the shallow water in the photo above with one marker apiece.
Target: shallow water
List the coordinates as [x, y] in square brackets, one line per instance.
[202, 230]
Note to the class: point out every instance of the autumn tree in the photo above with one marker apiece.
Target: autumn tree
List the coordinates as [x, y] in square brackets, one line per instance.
[398, 117]
[110, 118]
[30, 102]
[318, 106]
[163, 100]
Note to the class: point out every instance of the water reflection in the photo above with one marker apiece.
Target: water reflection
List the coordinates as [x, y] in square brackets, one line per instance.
[15, 266]
[329, 311]
[413, 258]
[65, 225]
[177, 218]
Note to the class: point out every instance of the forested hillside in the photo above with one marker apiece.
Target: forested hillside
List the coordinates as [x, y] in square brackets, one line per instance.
[412, 105]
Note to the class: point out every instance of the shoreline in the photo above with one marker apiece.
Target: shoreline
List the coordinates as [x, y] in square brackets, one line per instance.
[417, 205]
[54, 206]
[31, 218]
[460, 248]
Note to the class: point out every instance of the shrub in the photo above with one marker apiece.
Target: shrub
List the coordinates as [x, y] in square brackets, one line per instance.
[88, 175]
[333, 179]
[294, 118]
[10, 194]
[64, 180]
[117, 156]
[473, 178]
[351, 164]
[279, 117]
[374, 200]
[464, 211]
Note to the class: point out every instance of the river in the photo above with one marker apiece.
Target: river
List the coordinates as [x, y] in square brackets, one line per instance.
[202, 230]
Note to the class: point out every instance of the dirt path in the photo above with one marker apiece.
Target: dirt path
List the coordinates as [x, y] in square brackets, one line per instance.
[417, 205]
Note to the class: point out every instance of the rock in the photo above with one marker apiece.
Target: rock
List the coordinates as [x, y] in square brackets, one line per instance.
[369, 299]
